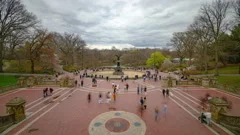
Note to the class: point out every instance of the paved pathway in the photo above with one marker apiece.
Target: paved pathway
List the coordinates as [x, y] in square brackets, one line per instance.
[71, 113]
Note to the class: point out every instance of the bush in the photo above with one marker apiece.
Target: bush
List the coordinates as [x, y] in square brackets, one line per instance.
[192, 72]
[24, 66]
[70, 68]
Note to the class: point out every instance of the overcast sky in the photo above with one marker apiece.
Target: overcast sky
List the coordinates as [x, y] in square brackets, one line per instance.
[119, 23]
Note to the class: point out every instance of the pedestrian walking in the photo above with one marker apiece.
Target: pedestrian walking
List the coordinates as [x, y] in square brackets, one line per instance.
[141, 89]
[138, 89]
[163, 92]
[89, 97]
[113, 84]
[127, 86]
[145, 89]
[155, 79]
[107, 78]
[100, 98]
[81, 83]
[114, 96]
[108, 97]
[156, 113]
[160, 77]
[51, 91]
[76, 83]
[167, 92]
[144, 78]
[145, 94]
[141, 102]
[164, 110]
[145, 103]
[44, 92]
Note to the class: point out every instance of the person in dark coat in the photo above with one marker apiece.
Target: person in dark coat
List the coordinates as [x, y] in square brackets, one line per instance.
[44, 92]
[127, 86]
[167, 92]
[76, 83]
[163, 92]
[141, 102]
[138, 89]
[145, 89]
[89, 97]
[81, 83]
[51, 91]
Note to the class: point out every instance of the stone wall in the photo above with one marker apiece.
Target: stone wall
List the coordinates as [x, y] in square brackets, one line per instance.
[6, 121]
[8, 88]
[231, 122]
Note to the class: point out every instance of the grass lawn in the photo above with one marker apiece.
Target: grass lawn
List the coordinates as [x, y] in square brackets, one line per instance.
[230, 81]
[225, 70]
[6, 80]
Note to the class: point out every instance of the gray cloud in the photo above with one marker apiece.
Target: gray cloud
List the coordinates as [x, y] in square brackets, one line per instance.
[140, 23]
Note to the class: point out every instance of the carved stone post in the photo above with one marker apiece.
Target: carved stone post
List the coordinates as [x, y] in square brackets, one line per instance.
[217, 105]
[205, 82]
[16, 106]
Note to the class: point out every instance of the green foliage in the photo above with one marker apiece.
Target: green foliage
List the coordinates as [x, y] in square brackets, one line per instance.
[229, 80]
[156, 59]
[24, 66]
[70, 68]
[225, 70]
[236, 33]
[6, 80]
[192, 72]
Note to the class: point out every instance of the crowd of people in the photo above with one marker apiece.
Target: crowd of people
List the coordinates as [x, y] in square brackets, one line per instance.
[141, 91]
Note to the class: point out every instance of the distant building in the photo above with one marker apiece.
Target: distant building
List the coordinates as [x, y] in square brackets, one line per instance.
[184, 60]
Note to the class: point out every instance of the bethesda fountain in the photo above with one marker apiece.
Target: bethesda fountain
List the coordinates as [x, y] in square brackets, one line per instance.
[118, 69]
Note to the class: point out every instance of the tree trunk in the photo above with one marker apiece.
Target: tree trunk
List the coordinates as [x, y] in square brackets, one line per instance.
[32, 66]
[1, 55]
[205, 61]
[239, 69]
[216, 60]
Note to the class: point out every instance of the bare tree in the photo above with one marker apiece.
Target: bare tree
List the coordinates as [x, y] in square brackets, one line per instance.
[204, 40]
[36, 41]
[13, 17]
[177, 43]
[69, 46]
[16, 39]
[236, 6]
[214, 17]
[189, 42]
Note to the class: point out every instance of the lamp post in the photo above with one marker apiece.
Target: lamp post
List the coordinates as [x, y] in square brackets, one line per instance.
[82, 56]
[154, 57]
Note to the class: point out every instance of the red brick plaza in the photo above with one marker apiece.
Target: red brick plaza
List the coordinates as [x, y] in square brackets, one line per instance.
[71, 113]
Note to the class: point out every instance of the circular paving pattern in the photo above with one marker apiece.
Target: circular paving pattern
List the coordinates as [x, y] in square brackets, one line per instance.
[117, 123]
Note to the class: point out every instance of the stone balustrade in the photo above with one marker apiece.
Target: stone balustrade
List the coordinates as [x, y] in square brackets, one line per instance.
[231, 122]
[6, 121]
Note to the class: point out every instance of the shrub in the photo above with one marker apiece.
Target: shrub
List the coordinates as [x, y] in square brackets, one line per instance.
[192, 72]
[70, 68]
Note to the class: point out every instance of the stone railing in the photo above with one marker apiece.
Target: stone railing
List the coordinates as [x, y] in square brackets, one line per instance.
[49, 82]
[29, 82]
[228, 88]
[6, 121]
[187, 82]
[231, 122]
[8, 88]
